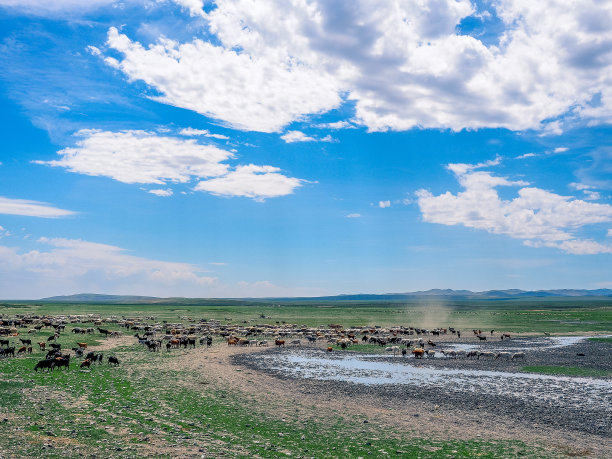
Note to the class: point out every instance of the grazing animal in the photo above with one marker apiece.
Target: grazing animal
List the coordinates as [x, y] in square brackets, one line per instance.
[232, 342]
[51, 338]
[22, 349]
[62, 362]
[280, 342]
[49, 364]
[418, 353]
[404, 352]
[518, 355]
[25, 341]
[29, 350]
[55, 346]
[42, 346]
[295, 342]
[86, 363]
[82, 345]
[482, 338]
[4, 342]
[262, 343]
[394, 349]
[104, 331]
[112, 360]
[329, 349]
[505, 355]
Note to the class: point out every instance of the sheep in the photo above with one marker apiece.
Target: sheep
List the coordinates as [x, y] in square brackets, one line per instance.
[518, 355]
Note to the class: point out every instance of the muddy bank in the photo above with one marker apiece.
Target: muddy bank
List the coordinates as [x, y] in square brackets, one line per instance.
[490, 388]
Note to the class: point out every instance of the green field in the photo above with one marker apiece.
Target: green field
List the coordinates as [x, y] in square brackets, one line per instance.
[147, 407]
[519, 316]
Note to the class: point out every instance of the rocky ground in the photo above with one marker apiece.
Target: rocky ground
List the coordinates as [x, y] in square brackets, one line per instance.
[555, 416]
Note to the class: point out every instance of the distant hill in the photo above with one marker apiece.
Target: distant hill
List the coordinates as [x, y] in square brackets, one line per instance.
[428, 294]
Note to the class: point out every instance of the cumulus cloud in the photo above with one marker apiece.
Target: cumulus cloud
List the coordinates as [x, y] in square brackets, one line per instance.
[195, 7]
[538, 217]
[354, 215]
[402, 64]
[260, 91]
[27, 208]
[73, 265]
[147, 158]
[384, 204]
[257, 182]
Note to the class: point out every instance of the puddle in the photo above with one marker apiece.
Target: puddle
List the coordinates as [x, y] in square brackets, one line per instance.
[362, 369]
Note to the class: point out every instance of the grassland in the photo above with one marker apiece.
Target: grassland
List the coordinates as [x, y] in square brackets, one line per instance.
[153, 405]
[518, 316]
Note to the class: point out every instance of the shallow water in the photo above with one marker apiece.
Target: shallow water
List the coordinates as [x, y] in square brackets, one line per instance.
[562, 391]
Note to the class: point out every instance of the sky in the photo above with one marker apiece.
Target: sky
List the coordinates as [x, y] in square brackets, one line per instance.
[240, 148]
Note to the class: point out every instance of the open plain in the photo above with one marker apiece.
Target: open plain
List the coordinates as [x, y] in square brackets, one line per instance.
[318, 398]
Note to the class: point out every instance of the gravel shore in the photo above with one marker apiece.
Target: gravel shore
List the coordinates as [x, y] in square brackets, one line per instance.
[552, 406]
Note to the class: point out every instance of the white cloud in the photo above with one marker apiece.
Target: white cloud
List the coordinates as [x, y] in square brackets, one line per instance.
[526, 155]
[560, 150]
[146, 158]
[384, 204]
[402, 64]
[60, 266]
[27, 208]
[260, 91]
[297, 136]
[336, 125]
[609, 234]
[353, 216]
[195, 7]
[190, 132]
[162, 192]
[141, 157]
[538, 217]
[257, 182]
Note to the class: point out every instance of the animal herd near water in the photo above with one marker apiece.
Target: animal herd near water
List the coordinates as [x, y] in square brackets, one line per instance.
[417, 342]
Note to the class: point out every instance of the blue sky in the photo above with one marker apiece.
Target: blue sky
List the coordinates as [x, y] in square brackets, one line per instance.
[289, 148]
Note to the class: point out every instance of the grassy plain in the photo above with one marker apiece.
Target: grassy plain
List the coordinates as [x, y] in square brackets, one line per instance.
[149, 406]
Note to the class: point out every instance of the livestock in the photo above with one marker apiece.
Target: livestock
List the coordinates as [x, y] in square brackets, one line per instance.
[42, 346]
[505, 336]
[82, 345]
[482, 338]
[404, 352]
[56, 346]
[418, 353]
[295, 342]
[51, 338]
[25, 341]
[431, 343]
[518, 355]
[472, 354]
[62, 362]
[112, 360]
[234, 342]
[329, 348]
[262, 343]
[394, 349]
[104, 331]
[503, 355]
[22, 349]
[4, 342]
[49, 364]
[431, 353]
[280, 342]
[85, 363]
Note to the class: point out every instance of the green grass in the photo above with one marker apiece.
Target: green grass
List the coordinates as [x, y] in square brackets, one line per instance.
[118, 412]
[566, 371]
[602, 340]
[537, 315]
